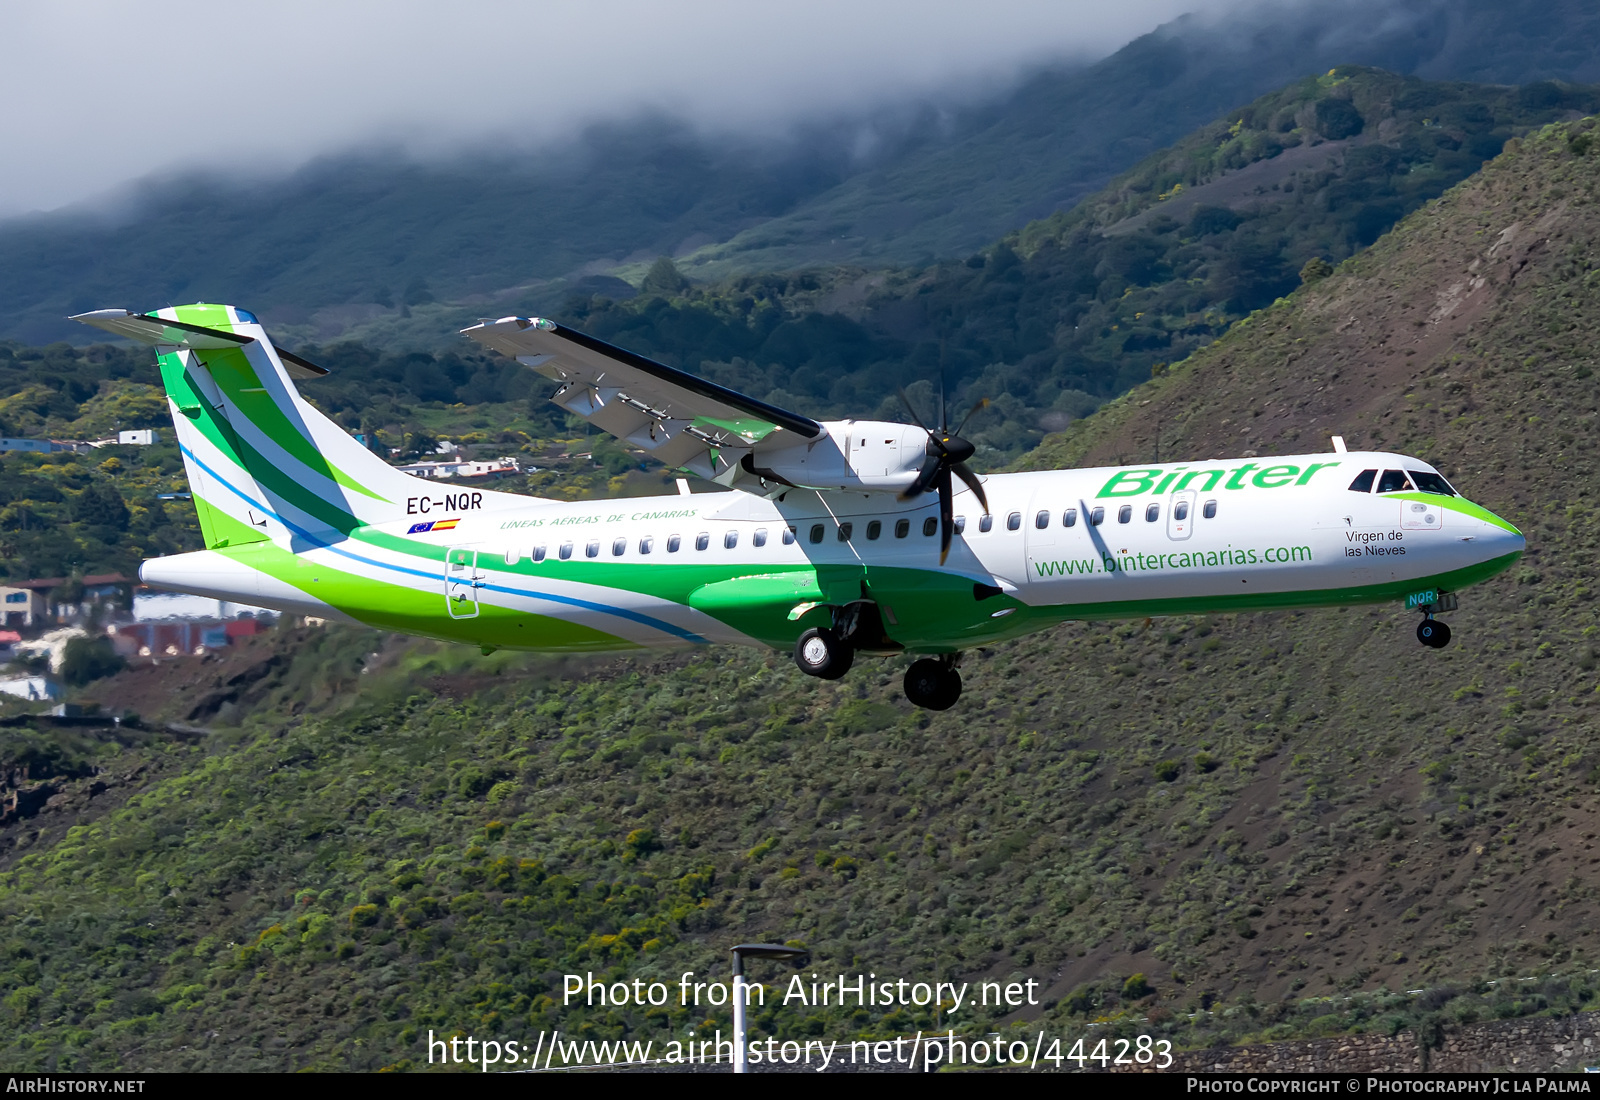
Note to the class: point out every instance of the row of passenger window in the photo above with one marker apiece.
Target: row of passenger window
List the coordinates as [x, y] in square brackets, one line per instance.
[1097, 516]
[730, 539]
[846, 531]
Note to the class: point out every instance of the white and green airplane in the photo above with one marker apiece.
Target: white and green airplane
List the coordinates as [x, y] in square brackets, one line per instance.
[832, 538]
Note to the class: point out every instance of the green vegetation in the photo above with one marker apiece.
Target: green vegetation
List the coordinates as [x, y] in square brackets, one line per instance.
[1078, 307]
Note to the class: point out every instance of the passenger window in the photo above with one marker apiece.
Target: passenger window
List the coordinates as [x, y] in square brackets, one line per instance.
[1069, 518]
[673, 543]
[1431, 483]
[902, 528]
[961, 525]
[1042, 520]
[1181, 511]
[593, 549]
[816, 532]
[930, 526]
[1125, 513]
[874, 529]
[759, 538]
[1363, 481]
[646, 545]
[513, 556]
[1097, 517]
[1152, 512]
[731, 539]
[1014, 521]
[986, 524]
[702, 540]
[619, 547]
[538, 553]
[845, 530]
[1210, 510]
[1393, 481]
[788, 536]
[566, 551]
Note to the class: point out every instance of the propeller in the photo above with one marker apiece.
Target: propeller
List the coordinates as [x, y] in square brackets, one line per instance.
[947, 454]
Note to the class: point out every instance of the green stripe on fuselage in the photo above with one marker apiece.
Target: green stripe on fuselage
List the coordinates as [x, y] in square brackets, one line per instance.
[389, 606]
[1456, 504]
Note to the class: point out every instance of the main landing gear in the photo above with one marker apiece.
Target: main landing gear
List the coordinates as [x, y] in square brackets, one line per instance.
[933, 682]
[827, 652]
[820, 652]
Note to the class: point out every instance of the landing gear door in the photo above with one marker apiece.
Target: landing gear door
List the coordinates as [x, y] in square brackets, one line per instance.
[462, 579]
[1180, 516]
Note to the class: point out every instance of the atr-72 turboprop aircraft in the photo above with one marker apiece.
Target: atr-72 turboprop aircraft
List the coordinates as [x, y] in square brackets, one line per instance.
[834, 538]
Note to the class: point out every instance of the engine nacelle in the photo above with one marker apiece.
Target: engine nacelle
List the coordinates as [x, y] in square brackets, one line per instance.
[871, 456]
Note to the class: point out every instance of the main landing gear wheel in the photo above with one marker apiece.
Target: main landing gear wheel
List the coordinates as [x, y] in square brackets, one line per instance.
[933, 685]
[1433, 634]
[820, 653]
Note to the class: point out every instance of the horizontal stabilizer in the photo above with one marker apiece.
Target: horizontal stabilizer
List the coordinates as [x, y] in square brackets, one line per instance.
[179, 334]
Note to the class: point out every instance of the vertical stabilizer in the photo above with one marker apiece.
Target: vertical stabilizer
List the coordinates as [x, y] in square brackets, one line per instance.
[262, 462]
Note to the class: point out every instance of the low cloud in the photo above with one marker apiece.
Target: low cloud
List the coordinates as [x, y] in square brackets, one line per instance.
[102, 93]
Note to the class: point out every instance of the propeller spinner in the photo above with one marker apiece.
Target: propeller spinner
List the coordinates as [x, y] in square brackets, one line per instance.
[947, 454]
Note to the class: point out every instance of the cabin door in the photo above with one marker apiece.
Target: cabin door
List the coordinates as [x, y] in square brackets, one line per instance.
[462, 579]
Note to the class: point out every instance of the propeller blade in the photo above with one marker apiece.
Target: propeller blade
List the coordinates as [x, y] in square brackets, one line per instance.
[912, 409]
[947, 517]
[982, 404]
[925, 477]
[964, 472]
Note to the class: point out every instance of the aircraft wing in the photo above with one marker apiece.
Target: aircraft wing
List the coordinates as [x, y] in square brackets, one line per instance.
[683, 421]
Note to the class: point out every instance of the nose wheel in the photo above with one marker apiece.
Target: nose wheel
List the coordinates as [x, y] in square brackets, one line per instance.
[1433, 634]
[933, 683]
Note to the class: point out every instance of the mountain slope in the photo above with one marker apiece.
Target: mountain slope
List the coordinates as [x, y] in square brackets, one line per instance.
[1077, 307]
[1062, 135]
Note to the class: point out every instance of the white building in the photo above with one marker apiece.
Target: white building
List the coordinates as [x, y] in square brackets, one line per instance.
[33, 688]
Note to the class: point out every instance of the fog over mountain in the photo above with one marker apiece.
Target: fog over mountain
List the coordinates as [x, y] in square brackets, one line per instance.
[98, 98]
[331, 168]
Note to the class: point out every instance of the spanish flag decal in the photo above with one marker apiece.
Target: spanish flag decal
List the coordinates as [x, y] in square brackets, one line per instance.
[445, 524]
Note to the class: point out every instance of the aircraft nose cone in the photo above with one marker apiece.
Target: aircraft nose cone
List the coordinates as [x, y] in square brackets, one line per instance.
[1505, 538]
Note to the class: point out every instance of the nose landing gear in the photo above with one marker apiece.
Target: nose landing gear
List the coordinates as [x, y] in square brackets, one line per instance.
[933, 682]
[1432, 633]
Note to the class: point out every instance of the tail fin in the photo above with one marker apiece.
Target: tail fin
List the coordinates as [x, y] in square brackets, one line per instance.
[262, 463]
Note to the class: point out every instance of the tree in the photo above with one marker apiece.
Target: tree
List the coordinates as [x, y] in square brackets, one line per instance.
[88, 659]
[664, 279]
[100, 504]
[1315, 270]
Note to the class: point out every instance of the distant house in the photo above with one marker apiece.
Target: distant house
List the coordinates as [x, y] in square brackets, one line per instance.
[43, 446]
[142, 437]
[21, 606]
[464, 470]
[33, 688]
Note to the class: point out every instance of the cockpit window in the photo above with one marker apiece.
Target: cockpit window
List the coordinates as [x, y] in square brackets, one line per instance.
[1431, 483]
[1393, 481]
[1363, 481]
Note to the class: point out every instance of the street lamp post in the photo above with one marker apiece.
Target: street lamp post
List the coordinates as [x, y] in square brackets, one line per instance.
[754, 951]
